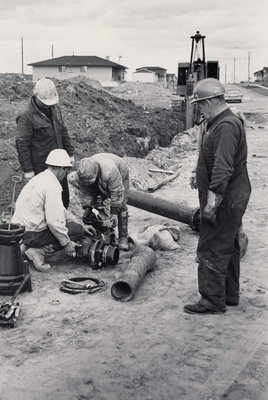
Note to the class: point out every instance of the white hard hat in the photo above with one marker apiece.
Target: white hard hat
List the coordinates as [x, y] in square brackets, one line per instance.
[46, 91]
[58, 158]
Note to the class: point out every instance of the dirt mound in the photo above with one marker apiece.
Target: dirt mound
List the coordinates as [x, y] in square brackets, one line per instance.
[146, 95]
[152, 89]
[97, 121]
[90, 82]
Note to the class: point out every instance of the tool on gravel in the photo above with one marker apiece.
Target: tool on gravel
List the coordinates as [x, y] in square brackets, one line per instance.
[81, 285]
[10, 310]
[16, 179]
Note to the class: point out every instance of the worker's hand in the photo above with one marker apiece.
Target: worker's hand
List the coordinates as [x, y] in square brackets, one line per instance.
[209, 214]
[70, 248]
[192, 180]
[210, 211]
[114, 220]
[29, 175]
[89, 230]
[72, 160]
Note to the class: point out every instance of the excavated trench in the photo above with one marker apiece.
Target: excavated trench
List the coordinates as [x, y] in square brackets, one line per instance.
[97, 120]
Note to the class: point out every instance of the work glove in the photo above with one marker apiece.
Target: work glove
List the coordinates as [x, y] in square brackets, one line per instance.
[29, 175]
[70, 248]
[192, 180]
[210, 211]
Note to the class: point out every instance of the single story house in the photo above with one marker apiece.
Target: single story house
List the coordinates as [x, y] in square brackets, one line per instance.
[109, 73]
[262, 75]
[144, 75]
[160, 73]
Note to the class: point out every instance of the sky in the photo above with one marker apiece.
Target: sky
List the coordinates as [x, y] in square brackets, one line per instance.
[136, 33]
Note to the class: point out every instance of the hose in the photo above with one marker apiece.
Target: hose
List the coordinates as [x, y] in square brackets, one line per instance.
[81, 285]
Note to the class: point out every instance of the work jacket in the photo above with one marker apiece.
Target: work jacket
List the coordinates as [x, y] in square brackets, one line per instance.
[39, 206]
[221, 166]
[112, 181]
[38, 135]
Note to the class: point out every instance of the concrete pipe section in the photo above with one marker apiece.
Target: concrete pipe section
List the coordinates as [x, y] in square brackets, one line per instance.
[143, 260]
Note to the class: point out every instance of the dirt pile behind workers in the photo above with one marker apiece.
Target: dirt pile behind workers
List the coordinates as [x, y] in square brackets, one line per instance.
[97, 120]
[146, 95]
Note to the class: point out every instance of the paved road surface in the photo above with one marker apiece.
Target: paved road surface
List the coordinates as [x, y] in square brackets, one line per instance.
[252, 101]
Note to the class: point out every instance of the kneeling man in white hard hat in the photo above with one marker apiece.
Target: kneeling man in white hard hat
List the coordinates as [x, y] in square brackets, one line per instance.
[39, 207]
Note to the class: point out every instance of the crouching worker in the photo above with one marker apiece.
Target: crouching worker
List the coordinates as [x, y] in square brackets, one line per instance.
[107, 175]
[48, 225]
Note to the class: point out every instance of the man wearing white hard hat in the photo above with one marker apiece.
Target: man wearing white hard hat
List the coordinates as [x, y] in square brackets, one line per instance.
[39, 207]
[40, 130]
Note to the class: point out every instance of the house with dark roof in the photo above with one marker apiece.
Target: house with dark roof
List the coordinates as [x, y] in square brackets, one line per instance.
[107, 72]
[150, 74]
[262, 75]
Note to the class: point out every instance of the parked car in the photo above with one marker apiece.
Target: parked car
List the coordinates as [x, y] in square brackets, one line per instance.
[233, 96]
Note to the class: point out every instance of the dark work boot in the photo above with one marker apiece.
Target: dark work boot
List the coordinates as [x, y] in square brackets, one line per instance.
[123, 230]
[232, 301]
[199, 308]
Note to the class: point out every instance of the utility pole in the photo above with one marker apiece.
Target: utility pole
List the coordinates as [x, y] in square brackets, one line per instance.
[22, 62]
[52, 51]
[225, 74]
[248, 67]
[234, 69]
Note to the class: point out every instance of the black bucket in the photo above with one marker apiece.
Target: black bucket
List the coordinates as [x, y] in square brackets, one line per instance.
[12, 266]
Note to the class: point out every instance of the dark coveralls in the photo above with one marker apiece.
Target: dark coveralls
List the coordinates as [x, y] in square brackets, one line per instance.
[40, 132]
[222, 169]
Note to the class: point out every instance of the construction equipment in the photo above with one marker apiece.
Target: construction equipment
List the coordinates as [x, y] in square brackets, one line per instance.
[100, 249]
[99, 217]
[191, 72]
[97, 253]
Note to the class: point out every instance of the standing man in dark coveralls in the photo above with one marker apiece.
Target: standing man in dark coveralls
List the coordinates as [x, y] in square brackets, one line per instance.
[224, 190]
[40, 130]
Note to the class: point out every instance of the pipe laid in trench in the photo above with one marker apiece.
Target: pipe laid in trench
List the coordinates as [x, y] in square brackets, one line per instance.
[165, 208]
[143, 260]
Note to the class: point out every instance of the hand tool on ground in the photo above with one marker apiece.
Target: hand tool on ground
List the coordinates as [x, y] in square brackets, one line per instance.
[10, 310]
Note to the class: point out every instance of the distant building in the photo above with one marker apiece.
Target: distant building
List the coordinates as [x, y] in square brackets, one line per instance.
[110, 74]
[262, 75]
[150, 74]
[144, 75]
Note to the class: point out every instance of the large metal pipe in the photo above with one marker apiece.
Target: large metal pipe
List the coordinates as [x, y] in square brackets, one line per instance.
[178, 212]
[143, 260]
[165, 208]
